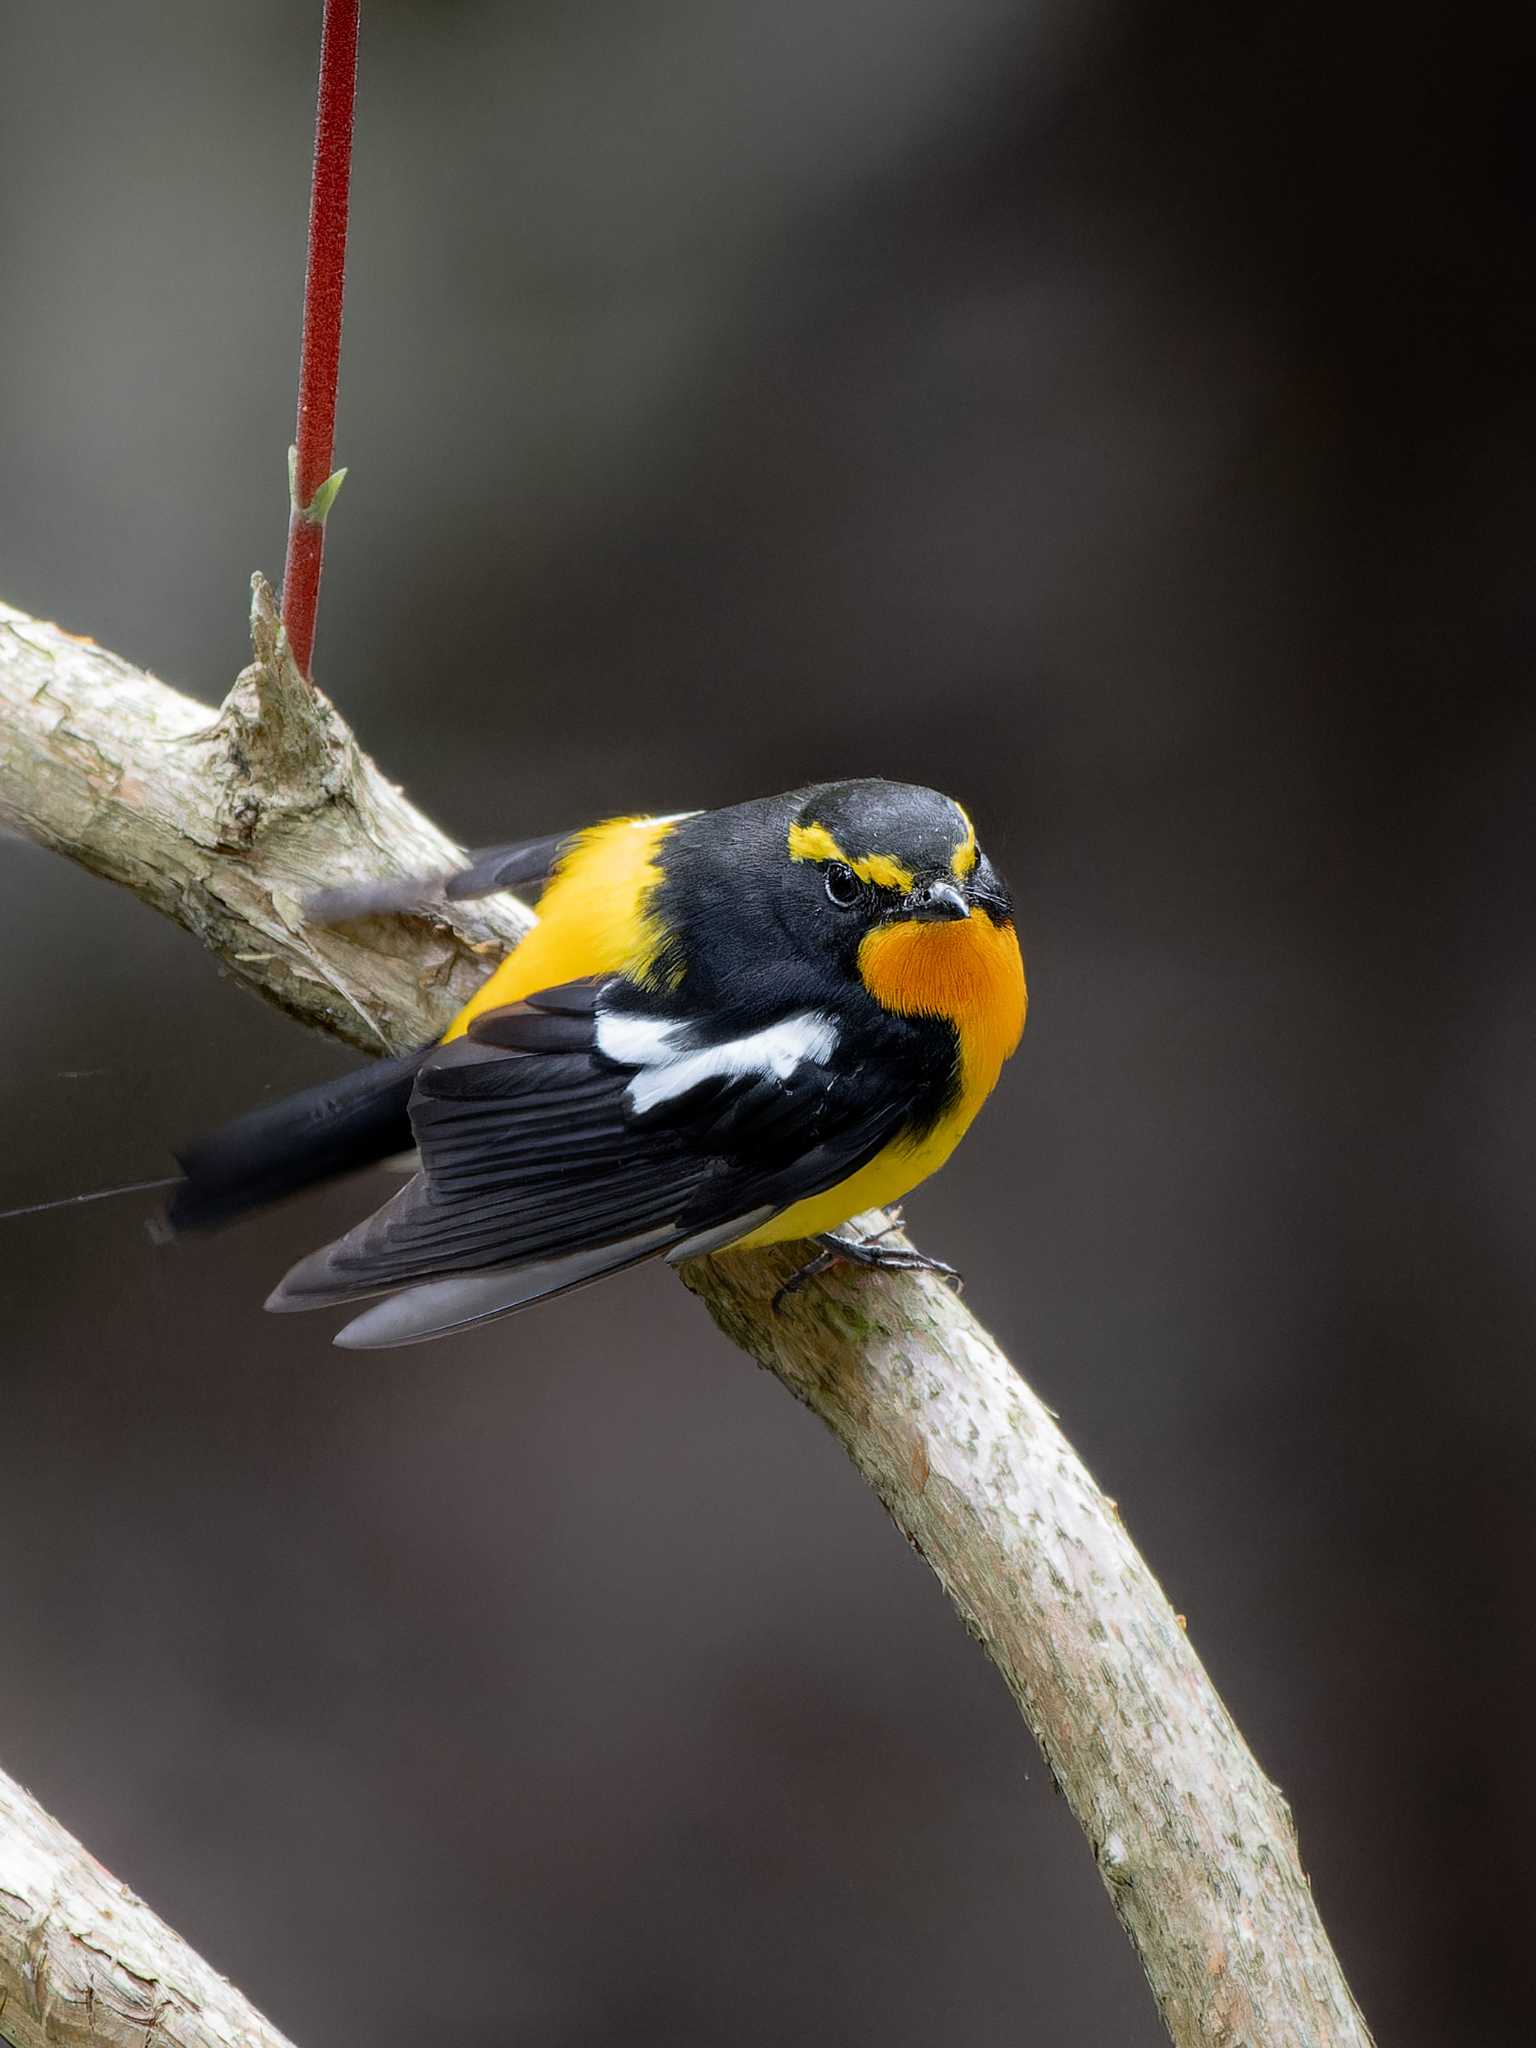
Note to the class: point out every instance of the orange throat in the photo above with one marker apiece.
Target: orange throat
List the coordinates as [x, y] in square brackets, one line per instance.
[969, 972]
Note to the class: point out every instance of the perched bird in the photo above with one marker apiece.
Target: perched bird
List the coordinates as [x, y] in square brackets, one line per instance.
[729, 1027]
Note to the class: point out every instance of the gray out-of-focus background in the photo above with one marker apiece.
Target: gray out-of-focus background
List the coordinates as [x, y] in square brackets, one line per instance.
[1120, 415]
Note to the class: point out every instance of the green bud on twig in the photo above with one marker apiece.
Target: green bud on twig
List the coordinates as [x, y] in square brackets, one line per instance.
[320, 504]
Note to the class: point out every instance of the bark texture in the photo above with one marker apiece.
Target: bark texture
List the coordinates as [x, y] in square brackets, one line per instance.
[229, 823]
[1196, 1847]
[84, 1964]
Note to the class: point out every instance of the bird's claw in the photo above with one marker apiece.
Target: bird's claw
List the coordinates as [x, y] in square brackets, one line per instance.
[811, 1270]
[866, 1251]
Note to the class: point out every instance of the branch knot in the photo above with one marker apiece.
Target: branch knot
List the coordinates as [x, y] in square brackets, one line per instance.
[289, 750]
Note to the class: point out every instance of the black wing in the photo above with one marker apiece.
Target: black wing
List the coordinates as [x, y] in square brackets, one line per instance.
[539, 1174]
[508, 867]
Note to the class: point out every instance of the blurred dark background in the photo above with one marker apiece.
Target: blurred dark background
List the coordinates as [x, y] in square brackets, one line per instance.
[1120, 415]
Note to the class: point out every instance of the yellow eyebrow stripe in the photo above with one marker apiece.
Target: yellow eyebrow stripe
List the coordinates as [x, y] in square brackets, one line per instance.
[884, 872]
[815, 842]
[965, 856]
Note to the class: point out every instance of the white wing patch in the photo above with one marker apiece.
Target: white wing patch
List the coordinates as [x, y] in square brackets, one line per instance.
[636, 1041]
[650, 1044]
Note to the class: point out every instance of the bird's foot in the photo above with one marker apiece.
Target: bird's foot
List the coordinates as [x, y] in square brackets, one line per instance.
[811, 1270]
[866, 1251]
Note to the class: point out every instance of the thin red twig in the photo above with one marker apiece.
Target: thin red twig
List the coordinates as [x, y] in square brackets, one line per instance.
[320, 358]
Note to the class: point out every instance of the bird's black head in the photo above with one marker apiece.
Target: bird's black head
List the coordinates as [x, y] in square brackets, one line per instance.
[777, 897]
[893, 852]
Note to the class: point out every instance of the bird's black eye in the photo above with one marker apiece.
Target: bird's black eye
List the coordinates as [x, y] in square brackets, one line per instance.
[843, 886]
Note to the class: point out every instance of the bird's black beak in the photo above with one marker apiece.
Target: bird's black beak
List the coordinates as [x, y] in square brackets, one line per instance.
[936, 902]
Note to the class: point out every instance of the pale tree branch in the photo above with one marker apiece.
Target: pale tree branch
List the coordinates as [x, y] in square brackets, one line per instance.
[229, 822]
[84, 1964]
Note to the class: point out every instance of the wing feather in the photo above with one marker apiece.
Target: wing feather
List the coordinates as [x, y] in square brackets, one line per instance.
[540, 1172]
[518, 865]
[507, 867]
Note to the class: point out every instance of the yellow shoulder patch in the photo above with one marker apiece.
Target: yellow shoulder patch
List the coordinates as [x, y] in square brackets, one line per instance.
[594, 918]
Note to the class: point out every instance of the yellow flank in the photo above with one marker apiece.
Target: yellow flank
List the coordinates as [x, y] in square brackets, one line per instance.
[972, 974]
[594, 918]
[815, 842]
[962, 861]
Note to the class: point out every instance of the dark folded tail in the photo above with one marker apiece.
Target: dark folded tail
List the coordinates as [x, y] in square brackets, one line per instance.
[309, 1137]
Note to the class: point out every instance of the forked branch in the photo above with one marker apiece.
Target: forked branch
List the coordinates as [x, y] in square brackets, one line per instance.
[228, 822]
